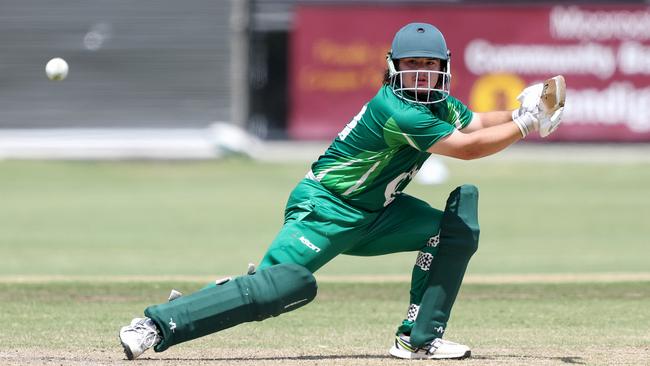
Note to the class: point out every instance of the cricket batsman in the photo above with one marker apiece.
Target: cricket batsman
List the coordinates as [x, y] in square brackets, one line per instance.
[351, 202]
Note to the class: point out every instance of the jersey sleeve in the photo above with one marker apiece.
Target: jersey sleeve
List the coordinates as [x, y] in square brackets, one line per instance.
[459, 115]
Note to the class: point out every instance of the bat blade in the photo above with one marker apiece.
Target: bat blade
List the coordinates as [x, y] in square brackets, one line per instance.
[553, 94]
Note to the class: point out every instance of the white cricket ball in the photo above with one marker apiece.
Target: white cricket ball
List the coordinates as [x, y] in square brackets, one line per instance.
[56, 69]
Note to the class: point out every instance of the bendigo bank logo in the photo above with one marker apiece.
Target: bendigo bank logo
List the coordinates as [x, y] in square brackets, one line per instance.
[495, 92]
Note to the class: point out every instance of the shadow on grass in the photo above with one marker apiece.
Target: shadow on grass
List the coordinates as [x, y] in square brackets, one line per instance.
[276, 358]
[574, 360]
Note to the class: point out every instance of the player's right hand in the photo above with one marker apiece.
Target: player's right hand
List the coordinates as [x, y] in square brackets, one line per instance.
[542, 105]
[529, 100]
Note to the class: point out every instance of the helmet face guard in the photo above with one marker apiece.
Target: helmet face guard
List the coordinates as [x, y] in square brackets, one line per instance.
[437, 86]
[420, 40]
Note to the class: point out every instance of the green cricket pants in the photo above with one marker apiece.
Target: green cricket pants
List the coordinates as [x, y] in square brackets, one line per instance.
[319, 226]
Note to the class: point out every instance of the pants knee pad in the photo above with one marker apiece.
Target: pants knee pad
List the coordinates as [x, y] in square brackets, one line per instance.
[281, 288]
[459, 232]
[268, 292]
[459, 225]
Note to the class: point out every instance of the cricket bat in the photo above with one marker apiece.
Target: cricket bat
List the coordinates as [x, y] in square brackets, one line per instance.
[553, 94]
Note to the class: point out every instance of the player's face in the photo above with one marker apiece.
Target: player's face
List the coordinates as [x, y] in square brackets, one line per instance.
[419, 79]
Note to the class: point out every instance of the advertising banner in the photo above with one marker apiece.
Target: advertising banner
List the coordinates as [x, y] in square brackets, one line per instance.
[337, 62]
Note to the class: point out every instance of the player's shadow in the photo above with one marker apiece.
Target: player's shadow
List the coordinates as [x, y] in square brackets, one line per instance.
[276, 358]
[573, 360]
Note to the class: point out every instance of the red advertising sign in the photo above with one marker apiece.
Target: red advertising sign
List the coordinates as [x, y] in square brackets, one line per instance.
[338, 62]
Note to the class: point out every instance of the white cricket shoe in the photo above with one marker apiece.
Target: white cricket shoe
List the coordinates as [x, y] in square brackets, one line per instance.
[138, 337]
[437, 349]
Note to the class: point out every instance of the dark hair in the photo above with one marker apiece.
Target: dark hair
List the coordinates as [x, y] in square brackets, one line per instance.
[386, 80]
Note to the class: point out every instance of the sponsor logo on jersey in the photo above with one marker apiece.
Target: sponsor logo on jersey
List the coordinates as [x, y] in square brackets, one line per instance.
[309, 244]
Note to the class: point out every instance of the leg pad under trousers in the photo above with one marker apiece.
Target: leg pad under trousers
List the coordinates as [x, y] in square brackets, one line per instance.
[269, 292]
[459, 234]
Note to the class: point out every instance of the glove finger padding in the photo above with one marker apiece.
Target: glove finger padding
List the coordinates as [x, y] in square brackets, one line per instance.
[542, 97]
[542, 106]
[529, 100]
[530, 97]
[549, 124]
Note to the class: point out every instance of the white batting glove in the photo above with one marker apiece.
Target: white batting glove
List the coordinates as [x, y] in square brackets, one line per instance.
[529, 100]
[545, 104]
[549, 124]
[527, 123]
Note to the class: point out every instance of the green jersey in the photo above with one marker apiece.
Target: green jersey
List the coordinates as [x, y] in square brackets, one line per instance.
[382, 148]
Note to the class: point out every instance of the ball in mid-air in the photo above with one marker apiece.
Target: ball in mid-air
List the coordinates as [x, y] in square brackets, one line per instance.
[56, 69]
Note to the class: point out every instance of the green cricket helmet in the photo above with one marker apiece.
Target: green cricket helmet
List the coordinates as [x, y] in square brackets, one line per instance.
[420, 40]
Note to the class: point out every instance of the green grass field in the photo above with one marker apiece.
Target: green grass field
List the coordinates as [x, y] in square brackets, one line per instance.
[348, 324]
[85, 246]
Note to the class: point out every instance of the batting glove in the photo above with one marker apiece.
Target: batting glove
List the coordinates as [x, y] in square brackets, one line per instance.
[527, 123]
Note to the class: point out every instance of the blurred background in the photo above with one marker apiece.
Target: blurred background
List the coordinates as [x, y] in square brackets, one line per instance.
[276, 80]
[298, 70]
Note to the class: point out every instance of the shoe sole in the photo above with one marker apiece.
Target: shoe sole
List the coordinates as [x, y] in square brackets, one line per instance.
[406, 355]
[127, 350]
